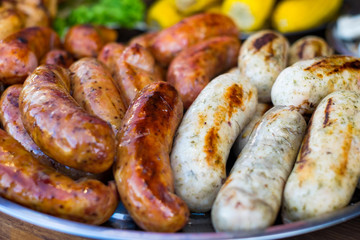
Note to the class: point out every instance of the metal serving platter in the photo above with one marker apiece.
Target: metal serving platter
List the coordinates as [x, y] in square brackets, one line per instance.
[120, 225]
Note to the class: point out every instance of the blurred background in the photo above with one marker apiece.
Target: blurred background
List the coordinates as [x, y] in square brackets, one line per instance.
[336, 20]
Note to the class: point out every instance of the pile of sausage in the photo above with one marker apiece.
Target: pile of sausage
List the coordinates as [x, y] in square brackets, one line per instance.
[152, 122]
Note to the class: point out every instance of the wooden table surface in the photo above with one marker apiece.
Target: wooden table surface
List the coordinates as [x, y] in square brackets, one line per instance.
[14, 229]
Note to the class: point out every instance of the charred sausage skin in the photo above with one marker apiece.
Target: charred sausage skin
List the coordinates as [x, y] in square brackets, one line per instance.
[60, 127]
[196, 66]
[24, 180]
[143, 176]
[21, 52]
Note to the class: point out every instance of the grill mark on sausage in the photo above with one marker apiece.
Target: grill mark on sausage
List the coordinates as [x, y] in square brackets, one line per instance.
[305, 149]
[263, 40]
[330, 69]
[213, 157]
[327, 113]
[235, 97]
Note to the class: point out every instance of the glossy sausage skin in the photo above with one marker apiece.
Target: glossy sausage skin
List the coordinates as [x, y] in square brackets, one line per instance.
[87, 40]
[307, 48]
[21, 52]
[135, 69]
[59, 57]
[60, 127]
[93, 88]
[307, 82]
[169, 42]
[142, 171]
[251, 196]
[327, 167]
[205, 136]
[11, 120]
[194, 67]
[262, 57]
[26, 181]
[144, 40]
[109, 55]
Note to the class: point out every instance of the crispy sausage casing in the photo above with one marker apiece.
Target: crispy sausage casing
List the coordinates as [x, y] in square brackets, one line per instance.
[11, 120]
[194, 67]
[60, 127]
[251, 196]
[135, 69]
[26, 181]
[307, 82]
[21, 52]
[169, 42]
[109, 55]
[262, 57]
[93, 88]
[87, 40]
[142, 171]
[327, 168]
[205, 136]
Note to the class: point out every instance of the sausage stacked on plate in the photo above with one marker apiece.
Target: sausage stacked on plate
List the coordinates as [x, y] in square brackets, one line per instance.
[156, 119]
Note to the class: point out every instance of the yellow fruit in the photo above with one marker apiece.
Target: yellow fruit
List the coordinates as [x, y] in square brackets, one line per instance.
[163, 14]
[249, 15]
[188, 7]
[299, 15]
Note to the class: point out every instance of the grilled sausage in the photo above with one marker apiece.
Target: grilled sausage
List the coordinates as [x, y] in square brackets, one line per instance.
[205, 136]
[12, 123]
[262, 57]
[109, 55]
[60, 127]
[307, 48]
[142, 171]
[59, 57]
[169, 42]
[93, 88]
[21, 52]
[243, 138]
[28, 182]
[327, 168]
[251, 196]
[10, 22]
[87, 40]
[135, 69]
[305, 83]
[144, 40]
[194, 67]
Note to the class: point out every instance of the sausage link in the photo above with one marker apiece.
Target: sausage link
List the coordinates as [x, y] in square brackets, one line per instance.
[262, 57]
[194, 67]
[192, 30]
[109, 55]
[28, 182]
[307, 48]
[21, 52]
[87, 40]
[142, 172]
[59, 57]
[135, 69]
[11, 120]
[144, 40]
[327, 167]
[60, 127]
[307, 82]
[205, 136]
[93, 88]
[251, 196]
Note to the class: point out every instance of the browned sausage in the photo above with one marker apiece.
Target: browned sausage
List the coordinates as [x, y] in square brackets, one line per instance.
[135, 69]
[87, 40]
[28, 182]
[110, 53]
[20, 52]
[142, 173]
[194, 67]
[13, 125]
[144, 40]
[93, 88]
[169, 42]
[59, 57]
[60, 127]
